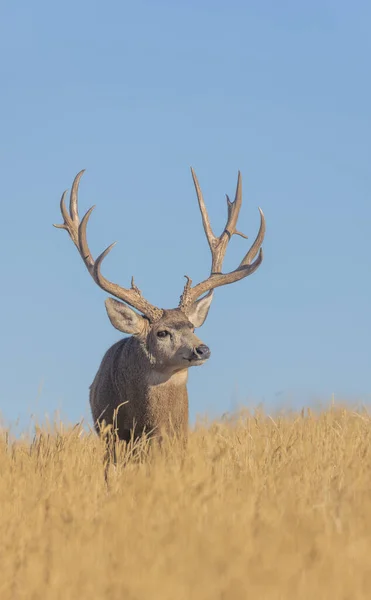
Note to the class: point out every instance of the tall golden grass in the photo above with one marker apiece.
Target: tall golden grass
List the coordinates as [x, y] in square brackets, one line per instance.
[260, 508]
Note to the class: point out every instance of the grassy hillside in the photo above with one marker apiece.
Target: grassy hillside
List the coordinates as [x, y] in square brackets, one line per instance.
[257, 508]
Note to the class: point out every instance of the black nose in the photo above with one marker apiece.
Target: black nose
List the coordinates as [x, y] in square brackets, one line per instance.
[202, 351]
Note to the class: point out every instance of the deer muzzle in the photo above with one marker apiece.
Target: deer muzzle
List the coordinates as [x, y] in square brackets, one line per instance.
[202, 352]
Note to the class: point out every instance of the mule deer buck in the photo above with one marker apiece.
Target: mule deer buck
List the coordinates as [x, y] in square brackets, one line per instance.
[142, 379]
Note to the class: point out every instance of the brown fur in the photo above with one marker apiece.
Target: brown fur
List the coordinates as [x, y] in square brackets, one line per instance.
[145, 381]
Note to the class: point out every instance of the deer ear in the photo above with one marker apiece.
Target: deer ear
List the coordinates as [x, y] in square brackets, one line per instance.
[198, 312]
[124, 318]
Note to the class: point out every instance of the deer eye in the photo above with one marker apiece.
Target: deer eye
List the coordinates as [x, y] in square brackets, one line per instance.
[162, 334]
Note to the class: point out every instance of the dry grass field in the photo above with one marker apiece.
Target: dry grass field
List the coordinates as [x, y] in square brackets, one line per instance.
[261, 508]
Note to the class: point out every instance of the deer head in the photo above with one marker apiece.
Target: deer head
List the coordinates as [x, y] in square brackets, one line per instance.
[168, 335]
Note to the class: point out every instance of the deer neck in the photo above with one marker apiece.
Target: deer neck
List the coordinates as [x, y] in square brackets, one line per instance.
[162, 393]
[167, 402]
[166, 378]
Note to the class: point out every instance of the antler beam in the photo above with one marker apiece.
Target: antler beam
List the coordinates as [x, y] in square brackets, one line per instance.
[77, 233]
[218, 247]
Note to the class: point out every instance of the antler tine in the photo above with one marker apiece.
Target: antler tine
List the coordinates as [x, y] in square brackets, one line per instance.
[211, 238]
[218, 247]
[83, 247]
[234, 209]
[65, 215]
[77, 232]
[74, 196]
[250, 255]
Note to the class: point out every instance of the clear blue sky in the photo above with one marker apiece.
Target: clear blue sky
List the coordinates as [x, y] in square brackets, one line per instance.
[138, 92]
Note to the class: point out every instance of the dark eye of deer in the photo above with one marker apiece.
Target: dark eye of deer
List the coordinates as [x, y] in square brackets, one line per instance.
[162, 334]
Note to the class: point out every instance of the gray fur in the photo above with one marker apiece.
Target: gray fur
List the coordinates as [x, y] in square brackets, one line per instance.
[144, 377]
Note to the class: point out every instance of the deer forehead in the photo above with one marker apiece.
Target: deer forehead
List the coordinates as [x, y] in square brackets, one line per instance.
[174, 319]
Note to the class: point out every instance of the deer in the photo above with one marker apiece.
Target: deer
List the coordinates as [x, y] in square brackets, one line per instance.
[141, 384]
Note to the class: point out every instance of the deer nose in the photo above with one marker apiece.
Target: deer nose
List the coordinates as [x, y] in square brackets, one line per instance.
[202, 351]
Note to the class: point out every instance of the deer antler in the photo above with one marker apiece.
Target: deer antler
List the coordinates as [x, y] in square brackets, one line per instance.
[77, 232]
[218, 247]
